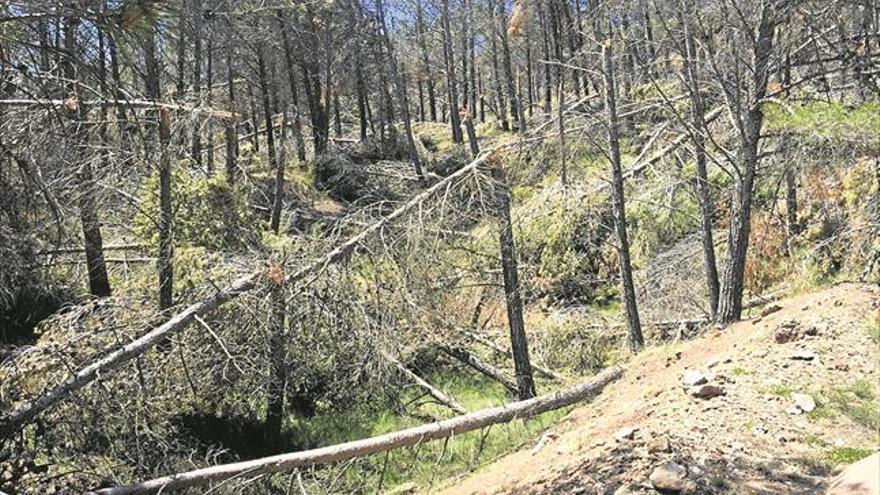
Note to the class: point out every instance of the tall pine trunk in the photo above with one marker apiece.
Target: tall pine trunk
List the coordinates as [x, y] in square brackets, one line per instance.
[627, 285]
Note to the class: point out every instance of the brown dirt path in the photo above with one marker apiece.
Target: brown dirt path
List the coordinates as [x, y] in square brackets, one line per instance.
[747, 441]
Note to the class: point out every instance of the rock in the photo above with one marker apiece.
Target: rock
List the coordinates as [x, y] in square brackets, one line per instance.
[625, 433]
[804, 402]
[693, 378]
[658, 444]
[769, 310]
[787, 331]
[669, 477]
[803, 355]
[811, 330]
[706, 391]
[624, 490]
[861, 478]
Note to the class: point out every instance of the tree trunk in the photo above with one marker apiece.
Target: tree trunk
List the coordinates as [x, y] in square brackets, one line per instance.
[210, 100]
[518, 341]
[432, 391]
[267, 104]
[278, 194]
[294, 93]
[99, 284]
[732, 281]
[231, 124]
[513, 98]
[628, 291]
[198, 17]
[702, 189]
[426, 63]
[275, 392]
[451, 82]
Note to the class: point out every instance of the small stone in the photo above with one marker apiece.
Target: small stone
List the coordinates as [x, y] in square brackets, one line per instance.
[812, 330]
[706, 391]
[670, 477]
[693, 378]
[625, 433]
[804, 402]
[659, 444]
[624, 490]
[803, 355]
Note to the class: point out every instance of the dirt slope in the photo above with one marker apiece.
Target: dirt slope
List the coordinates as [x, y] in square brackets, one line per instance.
[751, 440]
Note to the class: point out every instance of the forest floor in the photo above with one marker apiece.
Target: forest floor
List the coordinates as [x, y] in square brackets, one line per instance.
[753, 438]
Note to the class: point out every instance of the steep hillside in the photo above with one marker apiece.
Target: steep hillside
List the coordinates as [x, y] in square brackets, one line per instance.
[797, 397]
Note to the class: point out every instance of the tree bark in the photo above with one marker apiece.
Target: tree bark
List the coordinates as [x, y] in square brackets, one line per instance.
[732, 281]
[99, 284]
[451, 82]
[628, 292]
[166, 247]
[703, 195]
[518, 341]
[484, 368]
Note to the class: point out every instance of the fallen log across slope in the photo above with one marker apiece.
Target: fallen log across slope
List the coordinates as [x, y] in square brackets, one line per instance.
[373, 445]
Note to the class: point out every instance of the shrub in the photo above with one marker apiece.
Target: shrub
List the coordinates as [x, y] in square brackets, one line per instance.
[208, 212]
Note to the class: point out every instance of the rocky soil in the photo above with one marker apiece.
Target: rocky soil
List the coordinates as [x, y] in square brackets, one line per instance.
[757, 408]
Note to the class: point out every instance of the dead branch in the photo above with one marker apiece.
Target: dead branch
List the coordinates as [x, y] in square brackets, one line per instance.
[432, 391]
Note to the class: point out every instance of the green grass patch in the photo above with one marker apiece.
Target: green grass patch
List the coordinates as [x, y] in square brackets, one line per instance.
[780, 390]
[873, 330]
[828, 121]
[847, 455]
[427, 464]
[857, 401]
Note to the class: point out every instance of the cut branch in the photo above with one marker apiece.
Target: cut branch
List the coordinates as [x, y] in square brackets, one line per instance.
[360, 448]
[432, 391]
[487, 369]
[547, 372]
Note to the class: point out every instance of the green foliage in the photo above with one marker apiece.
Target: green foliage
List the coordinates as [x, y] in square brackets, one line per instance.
[781, 390]
[856, 401]
[873, 330]
[562, 239]
[828, 121]
[431, 461]
[207, 212]
[655, 224]
[848, 455]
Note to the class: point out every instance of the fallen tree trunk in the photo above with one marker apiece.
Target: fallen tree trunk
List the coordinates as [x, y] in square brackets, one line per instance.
[11, 421]
[485, 368]
[432, 391]
[149, 104]
[368, 446]
[547, 372]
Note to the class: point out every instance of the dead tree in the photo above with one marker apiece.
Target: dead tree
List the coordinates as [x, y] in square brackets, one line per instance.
[627, 285]
[700, 130]
[166, 248]
[519, 345]
[451, 81]
[99, 284]
[745, 102]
